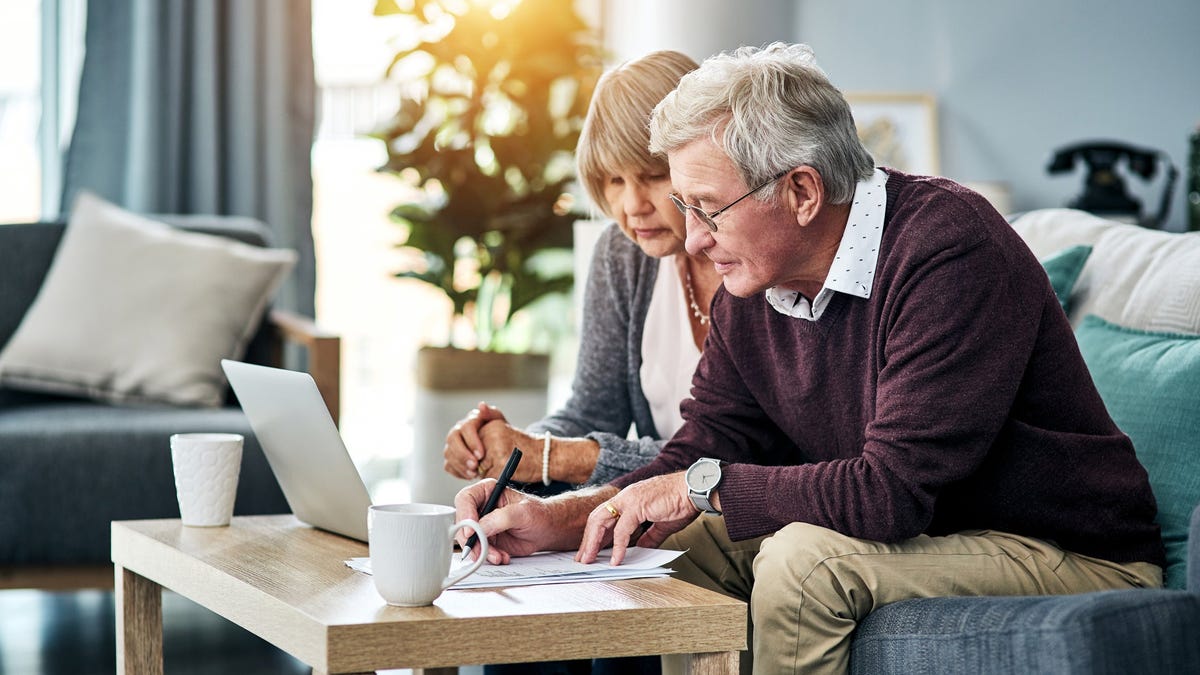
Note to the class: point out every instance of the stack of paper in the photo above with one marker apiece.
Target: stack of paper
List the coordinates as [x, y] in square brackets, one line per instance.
[557, 568]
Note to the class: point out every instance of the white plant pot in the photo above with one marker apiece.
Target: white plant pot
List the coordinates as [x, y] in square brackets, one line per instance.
[450, 382]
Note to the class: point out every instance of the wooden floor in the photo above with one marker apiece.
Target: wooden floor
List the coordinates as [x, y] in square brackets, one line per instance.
[72, 633]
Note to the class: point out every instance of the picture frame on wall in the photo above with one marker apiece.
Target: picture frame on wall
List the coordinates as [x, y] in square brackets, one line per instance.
[898, 128]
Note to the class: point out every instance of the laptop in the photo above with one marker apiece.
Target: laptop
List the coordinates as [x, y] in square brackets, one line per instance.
[303, 447]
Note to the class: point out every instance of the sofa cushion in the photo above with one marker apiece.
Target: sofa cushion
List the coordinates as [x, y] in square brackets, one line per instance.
[135, 311]
[1150, 383]
[1104, 633]
[1063, 268]
[69, 467]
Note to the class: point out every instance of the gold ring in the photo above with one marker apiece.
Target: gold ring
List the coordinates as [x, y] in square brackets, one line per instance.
[612, 509]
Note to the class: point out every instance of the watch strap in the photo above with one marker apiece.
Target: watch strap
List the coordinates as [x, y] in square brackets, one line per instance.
[701, 501]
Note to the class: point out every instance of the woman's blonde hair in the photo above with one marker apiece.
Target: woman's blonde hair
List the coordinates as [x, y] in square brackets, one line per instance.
[616, 133]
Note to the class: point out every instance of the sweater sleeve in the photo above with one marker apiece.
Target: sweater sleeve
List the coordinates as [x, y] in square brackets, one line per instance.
[600, 405]
[619, 456]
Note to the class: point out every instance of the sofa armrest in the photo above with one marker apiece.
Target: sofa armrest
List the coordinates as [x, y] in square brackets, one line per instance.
[1124, 631]
[324, 354]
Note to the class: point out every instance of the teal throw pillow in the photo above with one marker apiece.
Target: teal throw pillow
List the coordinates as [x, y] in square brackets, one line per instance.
[1150, 383]
[1063, 268]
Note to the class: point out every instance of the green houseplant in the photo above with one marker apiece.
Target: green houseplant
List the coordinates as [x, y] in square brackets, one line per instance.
[497, 95]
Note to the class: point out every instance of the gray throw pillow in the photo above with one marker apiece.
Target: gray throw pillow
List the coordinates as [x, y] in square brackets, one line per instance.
[136, 311]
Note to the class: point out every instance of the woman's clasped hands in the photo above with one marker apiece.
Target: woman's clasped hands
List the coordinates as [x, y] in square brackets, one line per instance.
[478, 446]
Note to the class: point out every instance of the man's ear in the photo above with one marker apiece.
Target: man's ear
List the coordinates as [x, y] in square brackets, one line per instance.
[805, 193]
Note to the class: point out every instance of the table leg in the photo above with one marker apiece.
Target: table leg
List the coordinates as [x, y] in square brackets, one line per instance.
[416, 671]
[453, 670]
[711, 663]
[139, 624]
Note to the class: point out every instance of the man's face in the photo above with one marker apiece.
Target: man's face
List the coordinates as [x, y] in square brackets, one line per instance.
[756, 243]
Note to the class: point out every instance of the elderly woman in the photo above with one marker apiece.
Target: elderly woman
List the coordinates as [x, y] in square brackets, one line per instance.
[645, 308]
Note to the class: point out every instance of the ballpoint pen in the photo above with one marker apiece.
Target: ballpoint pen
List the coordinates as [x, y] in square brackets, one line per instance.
[497, 490]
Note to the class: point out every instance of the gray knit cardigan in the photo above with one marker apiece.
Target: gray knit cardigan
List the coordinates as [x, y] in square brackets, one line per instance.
[606, 396]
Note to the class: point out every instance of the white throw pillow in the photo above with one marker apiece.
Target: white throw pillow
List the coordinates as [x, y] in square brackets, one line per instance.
[136, 311]
[1048, 231]
[1135, 277]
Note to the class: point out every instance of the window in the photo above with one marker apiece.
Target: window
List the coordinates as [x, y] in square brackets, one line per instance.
[382, 320]
[20, 110]
[41, 51]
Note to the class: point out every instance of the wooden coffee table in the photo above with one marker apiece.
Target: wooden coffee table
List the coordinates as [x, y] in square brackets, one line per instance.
[287, 583]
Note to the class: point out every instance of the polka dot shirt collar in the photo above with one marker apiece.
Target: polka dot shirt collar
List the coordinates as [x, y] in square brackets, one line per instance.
[853, 269]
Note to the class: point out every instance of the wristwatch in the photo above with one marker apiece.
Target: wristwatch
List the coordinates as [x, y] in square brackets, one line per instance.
[702, 478]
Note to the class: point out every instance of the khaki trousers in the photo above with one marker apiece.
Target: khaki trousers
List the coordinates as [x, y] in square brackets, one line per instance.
[809, 586]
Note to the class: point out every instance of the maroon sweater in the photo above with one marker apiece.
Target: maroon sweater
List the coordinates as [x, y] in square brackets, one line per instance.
[954, 398]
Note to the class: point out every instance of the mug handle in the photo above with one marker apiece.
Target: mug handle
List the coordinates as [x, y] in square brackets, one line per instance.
[483, 550]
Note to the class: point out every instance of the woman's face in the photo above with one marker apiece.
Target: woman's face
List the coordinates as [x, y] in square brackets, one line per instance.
[638, 200]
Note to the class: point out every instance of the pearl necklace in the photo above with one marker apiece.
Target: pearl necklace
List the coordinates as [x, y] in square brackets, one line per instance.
[692, 300]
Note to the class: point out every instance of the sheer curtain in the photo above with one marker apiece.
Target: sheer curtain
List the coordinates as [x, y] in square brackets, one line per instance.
[202, 106]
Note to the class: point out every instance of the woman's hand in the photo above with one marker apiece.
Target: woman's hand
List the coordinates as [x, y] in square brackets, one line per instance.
[465, 450]
[500, 437]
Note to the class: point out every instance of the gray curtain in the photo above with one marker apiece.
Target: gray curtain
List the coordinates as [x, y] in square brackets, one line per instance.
[202, 106]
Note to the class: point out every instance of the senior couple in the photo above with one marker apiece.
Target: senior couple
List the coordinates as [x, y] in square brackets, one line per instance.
[869, 389]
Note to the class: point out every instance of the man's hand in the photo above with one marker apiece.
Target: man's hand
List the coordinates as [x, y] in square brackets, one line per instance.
[661, 500]
[465, 450]
[523, 524]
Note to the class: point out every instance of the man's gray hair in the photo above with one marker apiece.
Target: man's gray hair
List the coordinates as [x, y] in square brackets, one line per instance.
[769, 109]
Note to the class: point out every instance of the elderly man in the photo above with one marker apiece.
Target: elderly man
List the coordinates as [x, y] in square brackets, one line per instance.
[890, 404]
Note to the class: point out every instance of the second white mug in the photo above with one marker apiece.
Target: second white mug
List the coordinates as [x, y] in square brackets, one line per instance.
[411, 549]
[206, 468]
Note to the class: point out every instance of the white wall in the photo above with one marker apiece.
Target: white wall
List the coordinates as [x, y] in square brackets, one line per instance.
[698, 28]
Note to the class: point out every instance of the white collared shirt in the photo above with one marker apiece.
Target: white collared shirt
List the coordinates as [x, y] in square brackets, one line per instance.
[853, 269]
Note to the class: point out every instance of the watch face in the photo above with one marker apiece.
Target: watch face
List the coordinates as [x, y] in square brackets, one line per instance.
[703, 476]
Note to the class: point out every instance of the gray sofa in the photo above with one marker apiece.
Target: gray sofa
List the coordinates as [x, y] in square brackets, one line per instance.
[1145, 283]
[69, 466]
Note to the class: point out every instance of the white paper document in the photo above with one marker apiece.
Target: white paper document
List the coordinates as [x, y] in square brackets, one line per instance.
[557, 567]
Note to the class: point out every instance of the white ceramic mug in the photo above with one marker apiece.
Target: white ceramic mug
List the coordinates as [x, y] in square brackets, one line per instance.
[206, 476]
[411, 551]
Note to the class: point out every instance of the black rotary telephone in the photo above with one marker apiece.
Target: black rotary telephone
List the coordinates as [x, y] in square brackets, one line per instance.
[1104, 190]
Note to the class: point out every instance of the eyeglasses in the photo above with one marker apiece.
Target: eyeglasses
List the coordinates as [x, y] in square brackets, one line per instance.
[709, 219]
